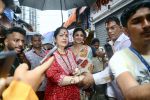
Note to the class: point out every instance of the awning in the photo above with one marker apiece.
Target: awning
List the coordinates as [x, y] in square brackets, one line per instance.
[73, 16]
[71, 19]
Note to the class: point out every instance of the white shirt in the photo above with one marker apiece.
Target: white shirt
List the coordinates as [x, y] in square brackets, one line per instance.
[122, 42]
[102, 77]
[125, 60]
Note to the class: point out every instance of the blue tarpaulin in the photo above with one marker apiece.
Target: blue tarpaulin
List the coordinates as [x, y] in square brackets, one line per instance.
[48, 37]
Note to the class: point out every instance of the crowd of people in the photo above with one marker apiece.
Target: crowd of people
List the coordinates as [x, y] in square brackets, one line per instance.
[118, 71]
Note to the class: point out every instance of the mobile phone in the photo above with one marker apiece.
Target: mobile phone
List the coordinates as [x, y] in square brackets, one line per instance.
[6, 61]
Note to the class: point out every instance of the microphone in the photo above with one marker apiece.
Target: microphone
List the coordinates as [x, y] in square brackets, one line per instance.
[49, 54]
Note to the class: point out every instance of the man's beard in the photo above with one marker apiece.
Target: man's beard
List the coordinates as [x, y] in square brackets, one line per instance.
[13, 49]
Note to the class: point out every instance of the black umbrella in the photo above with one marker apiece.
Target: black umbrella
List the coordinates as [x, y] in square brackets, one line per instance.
[56, 4]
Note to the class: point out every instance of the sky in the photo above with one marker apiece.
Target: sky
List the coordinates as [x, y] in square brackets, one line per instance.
[51, 19]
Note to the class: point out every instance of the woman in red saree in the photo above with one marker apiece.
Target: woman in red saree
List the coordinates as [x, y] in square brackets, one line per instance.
[61, 79]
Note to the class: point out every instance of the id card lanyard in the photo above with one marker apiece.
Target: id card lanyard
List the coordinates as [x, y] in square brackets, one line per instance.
[140, 57]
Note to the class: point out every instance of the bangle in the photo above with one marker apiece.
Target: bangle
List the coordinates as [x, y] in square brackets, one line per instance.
[72, 81]
[79, 78]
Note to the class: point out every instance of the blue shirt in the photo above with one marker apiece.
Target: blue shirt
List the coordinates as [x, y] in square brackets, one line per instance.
[35, 58]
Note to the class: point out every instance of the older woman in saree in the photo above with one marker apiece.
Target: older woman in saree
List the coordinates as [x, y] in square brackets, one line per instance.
[61, 79]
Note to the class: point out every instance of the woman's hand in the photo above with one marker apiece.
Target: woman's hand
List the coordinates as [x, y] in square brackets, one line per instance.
[77, 72]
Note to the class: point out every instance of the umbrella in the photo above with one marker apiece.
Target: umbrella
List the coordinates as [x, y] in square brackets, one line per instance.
[56, 4]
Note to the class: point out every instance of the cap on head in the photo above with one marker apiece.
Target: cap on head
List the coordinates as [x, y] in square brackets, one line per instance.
[131, 10]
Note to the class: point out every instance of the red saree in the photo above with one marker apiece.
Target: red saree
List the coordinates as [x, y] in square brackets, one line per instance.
[55, 74]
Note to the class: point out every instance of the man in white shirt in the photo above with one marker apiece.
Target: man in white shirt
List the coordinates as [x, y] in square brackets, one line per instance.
[120, 41]
[115, 32]
[131, 66]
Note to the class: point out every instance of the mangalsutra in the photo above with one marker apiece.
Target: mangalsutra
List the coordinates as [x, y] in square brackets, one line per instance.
[66, 62]
[77, 51]
[61, 51]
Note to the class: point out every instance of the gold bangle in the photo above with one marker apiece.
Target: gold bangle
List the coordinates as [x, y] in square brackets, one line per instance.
[72, 81]
[79, 78]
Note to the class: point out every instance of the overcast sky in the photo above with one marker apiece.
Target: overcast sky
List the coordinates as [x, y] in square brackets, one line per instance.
[51, 19]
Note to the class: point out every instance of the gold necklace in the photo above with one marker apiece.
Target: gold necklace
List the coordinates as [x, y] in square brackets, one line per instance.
[69, 68]
[61, 51]
[77, 51]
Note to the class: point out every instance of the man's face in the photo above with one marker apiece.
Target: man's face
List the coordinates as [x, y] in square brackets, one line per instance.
[113, 30]
[15, 41]
[36, 42]
[139, 27]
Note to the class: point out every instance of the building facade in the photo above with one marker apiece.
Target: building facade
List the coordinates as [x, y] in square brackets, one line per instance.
[29, 15]
[97, 18]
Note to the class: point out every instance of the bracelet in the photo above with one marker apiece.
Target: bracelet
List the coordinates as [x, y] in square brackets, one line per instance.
[72, 81]
[79, 78]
